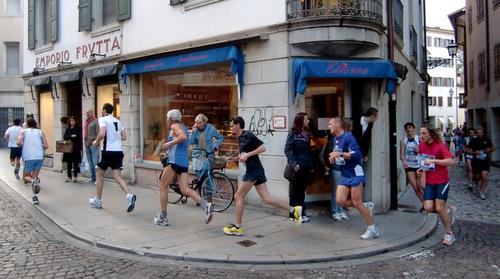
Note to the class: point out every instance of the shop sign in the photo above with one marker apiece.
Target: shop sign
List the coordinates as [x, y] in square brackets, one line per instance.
[109, 44]
[345, 68]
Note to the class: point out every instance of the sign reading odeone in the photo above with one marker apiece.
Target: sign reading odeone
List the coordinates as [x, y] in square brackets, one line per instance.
[109, 44]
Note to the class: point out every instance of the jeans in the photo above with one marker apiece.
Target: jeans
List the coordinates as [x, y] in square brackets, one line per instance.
[336, 178]
[92, 154]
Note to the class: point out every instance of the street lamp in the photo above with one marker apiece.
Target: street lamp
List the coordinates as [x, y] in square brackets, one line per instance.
[452, 49]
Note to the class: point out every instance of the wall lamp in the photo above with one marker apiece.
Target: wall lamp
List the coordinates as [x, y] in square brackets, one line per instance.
[63, 64]
[37, 70]
[92, 57]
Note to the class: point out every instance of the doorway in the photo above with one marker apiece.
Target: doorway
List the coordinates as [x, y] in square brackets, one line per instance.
[74, 105]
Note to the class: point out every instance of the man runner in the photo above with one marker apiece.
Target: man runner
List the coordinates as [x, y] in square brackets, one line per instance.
[481, 148]
[15, 151]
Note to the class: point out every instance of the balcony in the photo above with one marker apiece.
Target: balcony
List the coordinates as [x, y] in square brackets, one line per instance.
[336, 28]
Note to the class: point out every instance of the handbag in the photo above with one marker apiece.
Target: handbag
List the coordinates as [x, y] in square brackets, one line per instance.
[289, 173]
[64, 146]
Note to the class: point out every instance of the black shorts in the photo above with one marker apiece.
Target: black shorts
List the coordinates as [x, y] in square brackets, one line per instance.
[16, 152]
[178, 169]
[478, 166]
[411, 169]
[111, 159]
[258, 176]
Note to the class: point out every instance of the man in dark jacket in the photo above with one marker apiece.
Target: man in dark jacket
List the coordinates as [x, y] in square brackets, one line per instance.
[363, 131]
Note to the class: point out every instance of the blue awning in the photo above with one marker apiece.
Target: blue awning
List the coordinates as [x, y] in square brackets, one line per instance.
[196, 58]
[316, 68]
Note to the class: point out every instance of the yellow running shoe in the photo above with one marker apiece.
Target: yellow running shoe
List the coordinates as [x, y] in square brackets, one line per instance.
[297, 214]
[231, 229]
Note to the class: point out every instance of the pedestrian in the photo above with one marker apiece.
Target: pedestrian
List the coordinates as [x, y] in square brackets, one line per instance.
[298, 154]
[28, 116]
[113, 133]
[33, 142]
[448, 136]
[482, 147]
[177, 165]
[204, 137]
[74, 158]
[250, 148]
[469, 156]
[459, 144]
[363, 131]
[90, 132]
[435, 160]
[15, 151]
[347, 155]
[408, 154]
[64, 124]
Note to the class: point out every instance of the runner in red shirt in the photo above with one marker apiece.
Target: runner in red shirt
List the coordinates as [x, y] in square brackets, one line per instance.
[435, 158]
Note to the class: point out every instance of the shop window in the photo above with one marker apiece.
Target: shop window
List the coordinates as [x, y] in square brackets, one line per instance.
[108, 94]
[42, 23]
[12, 60]
[210, 90]
[13, 7]
[100, 13]
[481, 69]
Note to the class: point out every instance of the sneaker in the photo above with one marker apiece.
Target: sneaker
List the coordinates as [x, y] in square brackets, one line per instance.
[305, 219]
[297, 214]
[344, 216]
[422, 209]
[17, 176]
[370, 234]
[161, 221]
[208, 212]
[35, 185]
[16, 173]
[448, 239]
[34, 200]
[231, 229]
[131, 203]
[337, 217]
[482, 195]
[95, 203]
[369, 206]
[451, 211]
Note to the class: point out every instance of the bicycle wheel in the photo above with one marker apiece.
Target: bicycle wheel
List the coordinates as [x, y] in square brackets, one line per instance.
[219, 190]
[174, 192]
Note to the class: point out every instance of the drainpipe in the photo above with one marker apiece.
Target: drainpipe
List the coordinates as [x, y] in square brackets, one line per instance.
[393, 163]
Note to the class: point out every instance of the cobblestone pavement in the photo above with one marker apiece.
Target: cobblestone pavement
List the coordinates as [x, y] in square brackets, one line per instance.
[30, 247]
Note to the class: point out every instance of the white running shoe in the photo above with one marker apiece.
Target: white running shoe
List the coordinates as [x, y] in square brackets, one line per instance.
[344, 216]
[208, 212]
[95, 203]
[448, 239]
[305, 219]
[369, 206]
[161, 221]
[337, 217]
[370, 234]
[131, 202]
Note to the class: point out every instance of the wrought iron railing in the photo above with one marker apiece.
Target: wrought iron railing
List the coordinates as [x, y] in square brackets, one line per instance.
[305, 9]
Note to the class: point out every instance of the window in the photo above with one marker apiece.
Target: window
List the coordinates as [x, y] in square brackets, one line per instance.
[450, 101]
[430, 101]
[42, 23]
[429, 41]
[398, 17]
[98, 13]
[497, 61]
[447, 63]
[413, 43]
[13, 7]
[440, 101]
[12, 61]
[481, 69]
[471, 74]
[480, 10]
[442, 82]
[442, 43]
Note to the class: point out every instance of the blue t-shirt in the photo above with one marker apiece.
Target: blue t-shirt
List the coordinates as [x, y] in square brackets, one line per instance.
[178, 153]
[347, 143]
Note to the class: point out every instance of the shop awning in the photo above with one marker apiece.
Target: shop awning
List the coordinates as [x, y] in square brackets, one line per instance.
[189, 59]
[39, 81]
[104, 70]
[319, 68]
[67, 77]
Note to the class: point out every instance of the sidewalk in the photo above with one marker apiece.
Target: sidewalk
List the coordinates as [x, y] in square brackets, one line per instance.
[273, 239]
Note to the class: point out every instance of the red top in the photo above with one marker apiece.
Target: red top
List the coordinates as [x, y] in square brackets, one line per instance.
[440, 151]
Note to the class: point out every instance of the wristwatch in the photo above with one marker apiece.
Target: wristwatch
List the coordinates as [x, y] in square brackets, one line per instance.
[341, 154]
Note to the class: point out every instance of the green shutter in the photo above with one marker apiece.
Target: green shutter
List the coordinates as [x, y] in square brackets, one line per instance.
[124, 8]
[31, 24]
[84, 15]
[53, 20]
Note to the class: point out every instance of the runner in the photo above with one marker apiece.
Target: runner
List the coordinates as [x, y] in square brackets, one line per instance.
[482, 147]
[468, 158]
[177, 164]
[15, 151]
[33, 142]
[408, 153]
[435, 160]
[112, 132]
[250, 148]
[347, 155]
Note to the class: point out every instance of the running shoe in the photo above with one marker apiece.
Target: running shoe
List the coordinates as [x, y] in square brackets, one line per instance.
[232, 229]
[95, 203]
[161, 221]
[16, 173]
[208, 212]
[448, 239]
[305, 219]
[344, 216]
[337, 217]
[35, 185]
[369, 206]
[297, 214]
[422, 210]
[482, 195]
[370, 234]
[131, 203]
[34, 200]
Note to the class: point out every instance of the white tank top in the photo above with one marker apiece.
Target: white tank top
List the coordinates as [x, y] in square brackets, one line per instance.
[32, 145]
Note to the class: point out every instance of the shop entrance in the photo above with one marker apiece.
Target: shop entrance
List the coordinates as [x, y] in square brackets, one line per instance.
[74, 94]
[324, 99]
[47, 119]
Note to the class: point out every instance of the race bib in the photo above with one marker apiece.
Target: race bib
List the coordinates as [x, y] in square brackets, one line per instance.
[358, 170]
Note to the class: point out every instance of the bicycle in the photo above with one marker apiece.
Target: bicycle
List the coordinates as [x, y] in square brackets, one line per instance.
[213, 186]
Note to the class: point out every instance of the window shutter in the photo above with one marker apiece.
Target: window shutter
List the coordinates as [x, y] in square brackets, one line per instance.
[31, 24]
[124, 9]
[53, 20]
[84, 15]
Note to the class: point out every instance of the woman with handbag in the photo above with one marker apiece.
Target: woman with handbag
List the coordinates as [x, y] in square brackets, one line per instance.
[73, 158]
[298, 154]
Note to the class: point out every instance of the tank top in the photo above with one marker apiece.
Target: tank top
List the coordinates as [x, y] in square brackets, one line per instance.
[32, 145]
[178, 153]
[411, 153]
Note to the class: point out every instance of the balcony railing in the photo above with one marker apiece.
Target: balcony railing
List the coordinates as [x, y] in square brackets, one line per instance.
[310, 9]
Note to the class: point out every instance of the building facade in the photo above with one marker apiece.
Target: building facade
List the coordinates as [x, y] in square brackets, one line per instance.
[475, 33]
[11, 83]
[262, 60]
